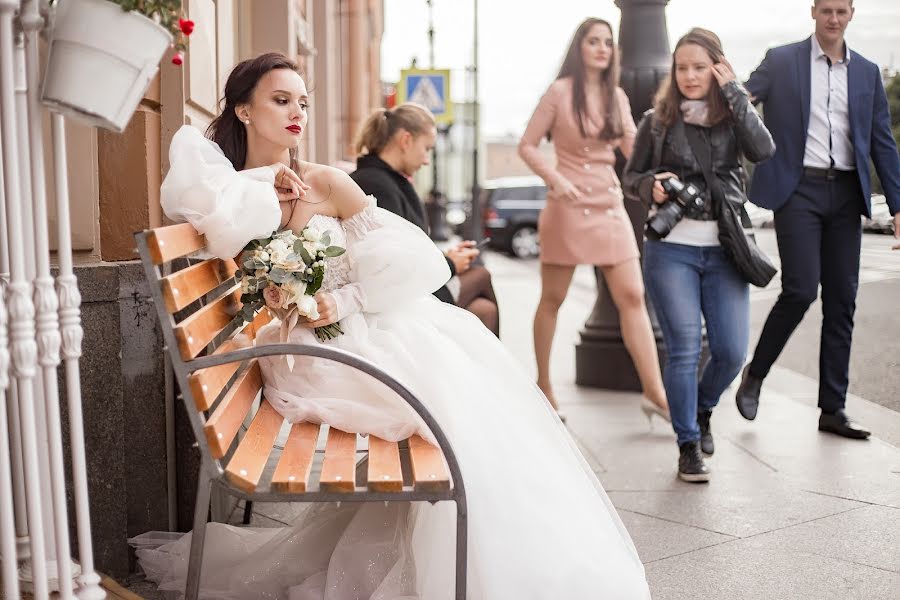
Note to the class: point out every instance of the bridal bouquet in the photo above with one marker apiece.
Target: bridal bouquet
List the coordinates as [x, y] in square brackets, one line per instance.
[283, 272]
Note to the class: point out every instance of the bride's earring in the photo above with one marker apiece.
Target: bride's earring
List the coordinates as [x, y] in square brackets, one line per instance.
[247, 122]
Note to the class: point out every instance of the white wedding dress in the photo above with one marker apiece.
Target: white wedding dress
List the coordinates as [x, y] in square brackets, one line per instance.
[540, 525]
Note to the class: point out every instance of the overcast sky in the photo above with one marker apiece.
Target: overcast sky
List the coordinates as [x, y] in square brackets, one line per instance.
[521, 42]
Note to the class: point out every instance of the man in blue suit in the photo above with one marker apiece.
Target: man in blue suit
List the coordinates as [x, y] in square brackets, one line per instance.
[828, 113]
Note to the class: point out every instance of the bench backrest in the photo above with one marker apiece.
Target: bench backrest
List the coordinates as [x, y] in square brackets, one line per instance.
[197, 300]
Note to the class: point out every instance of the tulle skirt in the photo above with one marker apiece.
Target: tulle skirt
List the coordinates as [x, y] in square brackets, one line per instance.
[540, 525]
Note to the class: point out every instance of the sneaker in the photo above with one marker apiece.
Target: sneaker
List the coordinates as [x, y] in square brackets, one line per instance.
[690, 464]
[706, 439]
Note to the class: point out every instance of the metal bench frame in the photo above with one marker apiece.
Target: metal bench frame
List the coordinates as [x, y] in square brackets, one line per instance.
[212, 471]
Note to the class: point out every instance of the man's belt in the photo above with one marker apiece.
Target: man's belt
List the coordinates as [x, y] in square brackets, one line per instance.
[829, 174]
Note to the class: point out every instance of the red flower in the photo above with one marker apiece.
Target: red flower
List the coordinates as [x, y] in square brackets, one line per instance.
[178, 58]
[186, 26]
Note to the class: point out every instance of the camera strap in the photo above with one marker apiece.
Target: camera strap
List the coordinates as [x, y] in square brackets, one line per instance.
[658, 131]
[700, 146]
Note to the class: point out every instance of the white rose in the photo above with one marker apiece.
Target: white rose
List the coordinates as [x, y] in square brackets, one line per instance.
[292, 266]
[311, 247]
[308, 307]
[278, 250]
[295, 290]
[311, 235]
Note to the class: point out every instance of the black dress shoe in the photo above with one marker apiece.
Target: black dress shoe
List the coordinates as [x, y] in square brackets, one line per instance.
[690, 463]
[747, 396]
[706, 438]
[839, 423]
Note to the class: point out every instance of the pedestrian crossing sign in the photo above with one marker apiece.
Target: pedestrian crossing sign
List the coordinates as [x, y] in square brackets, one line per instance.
[430, 88]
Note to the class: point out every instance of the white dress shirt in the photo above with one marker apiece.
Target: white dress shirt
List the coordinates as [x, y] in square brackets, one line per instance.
[828, 142]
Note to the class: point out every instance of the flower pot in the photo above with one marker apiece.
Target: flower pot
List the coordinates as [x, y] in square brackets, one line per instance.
[101, 61]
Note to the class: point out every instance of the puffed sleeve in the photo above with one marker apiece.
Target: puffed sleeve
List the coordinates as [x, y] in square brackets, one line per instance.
[229, 207]
[392, 262]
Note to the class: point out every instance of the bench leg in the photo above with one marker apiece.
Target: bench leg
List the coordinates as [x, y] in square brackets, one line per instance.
[461, 550]
[248, 512]
[198, 539]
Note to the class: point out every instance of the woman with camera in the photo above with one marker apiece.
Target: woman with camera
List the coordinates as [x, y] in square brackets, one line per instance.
[587, 117]
[701, 126]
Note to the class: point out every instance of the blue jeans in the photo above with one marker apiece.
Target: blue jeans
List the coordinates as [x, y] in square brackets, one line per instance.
[685, 282]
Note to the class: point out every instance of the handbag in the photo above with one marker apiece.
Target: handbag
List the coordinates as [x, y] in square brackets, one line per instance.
[740, 247]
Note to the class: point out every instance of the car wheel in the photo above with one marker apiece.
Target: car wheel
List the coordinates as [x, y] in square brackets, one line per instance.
[524, 242]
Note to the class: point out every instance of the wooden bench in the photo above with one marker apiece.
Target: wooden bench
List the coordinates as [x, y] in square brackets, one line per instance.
[221, 386]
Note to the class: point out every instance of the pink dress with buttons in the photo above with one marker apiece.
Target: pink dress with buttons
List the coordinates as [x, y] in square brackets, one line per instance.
[595, 230]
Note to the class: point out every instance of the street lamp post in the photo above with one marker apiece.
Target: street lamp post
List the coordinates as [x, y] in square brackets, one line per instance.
[601, 359]
[435, 206]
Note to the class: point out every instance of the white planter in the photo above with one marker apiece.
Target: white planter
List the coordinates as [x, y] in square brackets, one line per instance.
[101, 61]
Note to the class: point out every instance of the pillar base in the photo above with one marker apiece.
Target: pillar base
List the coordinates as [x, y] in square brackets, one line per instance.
[602, 361]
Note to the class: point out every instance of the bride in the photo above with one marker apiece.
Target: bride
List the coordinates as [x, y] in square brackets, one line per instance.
[540, 524]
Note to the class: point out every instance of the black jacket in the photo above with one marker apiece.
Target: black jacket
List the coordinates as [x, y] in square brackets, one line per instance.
[395, 193]
[744, 134]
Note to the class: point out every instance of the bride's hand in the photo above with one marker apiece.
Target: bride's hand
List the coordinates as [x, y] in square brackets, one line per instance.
[288, 184]
[327, 308]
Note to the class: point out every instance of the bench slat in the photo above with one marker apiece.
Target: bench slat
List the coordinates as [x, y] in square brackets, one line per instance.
[338, 466]
[226, 420]
[207, 384]
[263, 317]
[187, 285]
[295, 464]
[199, 329]
[249, 460]
[167, 243]
[429, 469]
[384, 466]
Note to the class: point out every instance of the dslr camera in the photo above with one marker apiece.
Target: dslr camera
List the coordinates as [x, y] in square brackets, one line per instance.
[681, 196]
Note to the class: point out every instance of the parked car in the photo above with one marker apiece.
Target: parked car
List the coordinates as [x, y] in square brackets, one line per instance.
[510, 207]
[881, 221]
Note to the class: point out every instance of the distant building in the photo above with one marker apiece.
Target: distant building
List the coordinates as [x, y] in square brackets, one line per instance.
[502, 157]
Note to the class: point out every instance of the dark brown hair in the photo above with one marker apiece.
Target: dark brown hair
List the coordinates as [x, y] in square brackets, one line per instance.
[383, 123]
[667, 105]
[227, 130]
[573, 66]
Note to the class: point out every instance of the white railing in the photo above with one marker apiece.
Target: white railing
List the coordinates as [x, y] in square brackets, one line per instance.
[36, 322]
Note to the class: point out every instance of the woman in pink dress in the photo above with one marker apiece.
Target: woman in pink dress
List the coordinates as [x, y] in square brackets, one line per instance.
[587, 116]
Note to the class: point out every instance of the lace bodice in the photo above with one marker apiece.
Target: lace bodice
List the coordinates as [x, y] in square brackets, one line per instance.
[338, 272]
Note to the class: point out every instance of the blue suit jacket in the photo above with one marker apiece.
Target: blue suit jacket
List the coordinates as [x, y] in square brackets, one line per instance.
[782, 84]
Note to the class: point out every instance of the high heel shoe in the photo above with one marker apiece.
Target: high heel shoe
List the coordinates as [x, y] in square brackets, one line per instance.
[649, 409]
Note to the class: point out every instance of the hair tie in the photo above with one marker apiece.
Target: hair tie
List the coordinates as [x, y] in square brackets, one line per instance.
[387, 115]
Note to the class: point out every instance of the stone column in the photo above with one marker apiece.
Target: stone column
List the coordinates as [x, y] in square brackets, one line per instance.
[601, 359]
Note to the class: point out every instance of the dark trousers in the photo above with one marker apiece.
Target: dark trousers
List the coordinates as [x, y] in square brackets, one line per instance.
[819, 235]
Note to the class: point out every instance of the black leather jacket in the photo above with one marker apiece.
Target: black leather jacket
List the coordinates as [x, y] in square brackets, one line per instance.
[743, 134]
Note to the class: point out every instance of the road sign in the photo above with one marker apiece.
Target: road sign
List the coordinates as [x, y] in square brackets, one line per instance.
[430, 88]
